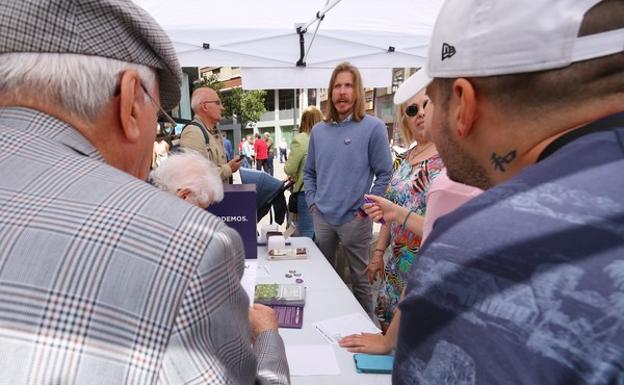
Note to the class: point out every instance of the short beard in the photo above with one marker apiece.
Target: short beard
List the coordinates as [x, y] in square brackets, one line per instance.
[460, 166]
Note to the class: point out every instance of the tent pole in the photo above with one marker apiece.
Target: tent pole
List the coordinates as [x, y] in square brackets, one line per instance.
[301, 30]
[320, 15]
[301, 62]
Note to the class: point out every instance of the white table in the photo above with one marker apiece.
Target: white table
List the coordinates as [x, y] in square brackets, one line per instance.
[326, 297]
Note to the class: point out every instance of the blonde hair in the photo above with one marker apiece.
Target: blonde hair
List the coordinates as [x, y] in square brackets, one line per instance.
[404, 131]
[311, 115]
[359, 109]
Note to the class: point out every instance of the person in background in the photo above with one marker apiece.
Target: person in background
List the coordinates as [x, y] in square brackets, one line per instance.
[270, 151]
[161, 149]
[261, 154]
[191, 177]
[248, 152]
[229, 149]
[105, 279]
[523, 284]
[294, 169]
[408, 188]
[202, 134]
[283, 150]
[229, 153]
[346, 153]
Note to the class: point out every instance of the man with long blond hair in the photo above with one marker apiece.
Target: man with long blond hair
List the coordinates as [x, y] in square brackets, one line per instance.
[346, 151]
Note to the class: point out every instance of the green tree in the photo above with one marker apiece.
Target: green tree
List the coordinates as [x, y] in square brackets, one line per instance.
[246, 105]
[211, 81]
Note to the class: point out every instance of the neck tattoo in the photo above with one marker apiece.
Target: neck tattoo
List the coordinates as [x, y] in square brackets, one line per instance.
[499, 162]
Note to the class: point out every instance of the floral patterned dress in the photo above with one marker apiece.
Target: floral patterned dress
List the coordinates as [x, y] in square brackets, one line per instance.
[408, 188]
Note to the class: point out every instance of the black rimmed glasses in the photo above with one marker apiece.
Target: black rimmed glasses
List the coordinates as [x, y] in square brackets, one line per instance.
[413, 109]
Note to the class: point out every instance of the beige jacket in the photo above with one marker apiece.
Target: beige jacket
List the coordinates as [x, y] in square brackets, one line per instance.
[193, 139]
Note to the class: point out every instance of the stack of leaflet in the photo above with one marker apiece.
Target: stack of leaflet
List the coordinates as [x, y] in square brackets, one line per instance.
[287, 253]
[287, 300]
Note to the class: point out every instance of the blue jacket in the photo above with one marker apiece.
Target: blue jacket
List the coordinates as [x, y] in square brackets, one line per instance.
[229, 151]
[524, 284]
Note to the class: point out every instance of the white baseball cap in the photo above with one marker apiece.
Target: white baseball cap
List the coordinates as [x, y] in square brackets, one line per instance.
[475, 38]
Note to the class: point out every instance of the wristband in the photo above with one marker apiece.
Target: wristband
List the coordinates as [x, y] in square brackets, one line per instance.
[382, 250]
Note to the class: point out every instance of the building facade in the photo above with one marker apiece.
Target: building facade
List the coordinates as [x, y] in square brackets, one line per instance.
[284, 106]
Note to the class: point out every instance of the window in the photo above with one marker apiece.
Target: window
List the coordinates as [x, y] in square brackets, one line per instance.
[269, 100]
[286, 99]
[311, 97]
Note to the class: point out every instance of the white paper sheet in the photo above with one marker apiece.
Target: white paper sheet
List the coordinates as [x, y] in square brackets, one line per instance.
[312, 360]
[263, 271]
[248, 282]
[334, 329]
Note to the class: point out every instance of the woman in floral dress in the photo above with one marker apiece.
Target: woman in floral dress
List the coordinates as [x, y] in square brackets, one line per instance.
[408, 188]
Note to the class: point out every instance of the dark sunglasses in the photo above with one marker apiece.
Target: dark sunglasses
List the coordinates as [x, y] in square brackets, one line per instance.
[412, 109]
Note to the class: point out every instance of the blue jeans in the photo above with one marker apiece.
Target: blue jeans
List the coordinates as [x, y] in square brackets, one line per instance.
[270, 163]
[305, 224]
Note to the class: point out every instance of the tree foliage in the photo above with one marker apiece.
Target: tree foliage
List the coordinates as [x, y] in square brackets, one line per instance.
[211, 81]
[246, 105]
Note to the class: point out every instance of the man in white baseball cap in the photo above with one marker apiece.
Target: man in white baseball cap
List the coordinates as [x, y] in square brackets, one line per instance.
[525, 283]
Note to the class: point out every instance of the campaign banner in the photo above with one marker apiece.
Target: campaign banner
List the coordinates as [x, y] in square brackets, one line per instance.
[238, 210]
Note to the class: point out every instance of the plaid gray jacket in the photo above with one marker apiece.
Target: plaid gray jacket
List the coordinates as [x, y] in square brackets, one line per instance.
[106, 280]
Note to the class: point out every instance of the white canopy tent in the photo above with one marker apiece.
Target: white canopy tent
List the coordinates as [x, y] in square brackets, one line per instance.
[261, 37]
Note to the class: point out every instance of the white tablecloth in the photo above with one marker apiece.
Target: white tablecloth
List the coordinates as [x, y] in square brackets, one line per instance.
[327, 297]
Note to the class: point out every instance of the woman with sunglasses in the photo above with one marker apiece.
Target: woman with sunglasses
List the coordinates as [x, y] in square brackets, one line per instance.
[442, 197]
[408, 188]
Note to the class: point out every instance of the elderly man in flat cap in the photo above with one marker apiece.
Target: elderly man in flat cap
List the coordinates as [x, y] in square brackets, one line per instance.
[105, 279]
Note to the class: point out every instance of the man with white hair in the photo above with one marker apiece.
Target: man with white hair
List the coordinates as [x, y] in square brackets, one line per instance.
[524, 284]
[105, 279]
[191, 177]
[202, 134]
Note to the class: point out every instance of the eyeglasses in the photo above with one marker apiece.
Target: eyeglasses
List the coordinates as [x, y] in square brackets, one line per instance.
[162, 114]
[413, 109]
[217, 102]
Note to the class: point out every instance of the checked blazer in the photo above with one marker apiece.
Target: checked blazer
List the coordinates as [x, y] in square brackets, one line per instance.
[104, 279]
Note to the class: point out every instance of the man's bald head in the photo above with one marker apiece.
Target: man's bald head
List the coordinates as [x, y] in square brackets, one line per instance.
[206, 104]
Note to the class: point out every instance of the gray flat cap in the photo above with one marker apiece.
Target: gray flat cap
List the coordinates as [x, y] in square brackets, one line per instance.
[116, 29]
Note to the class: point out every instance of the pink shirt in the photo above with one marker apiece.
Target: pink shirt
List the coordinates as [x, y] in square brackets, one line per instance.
[443, 197]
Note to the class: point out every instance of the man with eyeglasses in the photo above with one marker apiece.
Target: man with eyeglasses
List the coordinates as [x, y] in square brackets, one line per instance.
[202, 134]
[105, 279]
